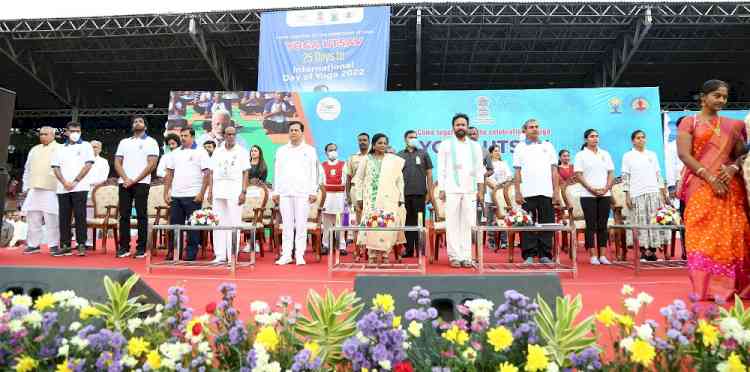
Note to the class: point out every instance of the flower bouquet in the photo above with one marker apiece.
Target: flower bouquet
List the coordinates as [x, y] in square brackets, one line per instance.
[379, 218]
[203, 217]
[518, 217]
[666, 216]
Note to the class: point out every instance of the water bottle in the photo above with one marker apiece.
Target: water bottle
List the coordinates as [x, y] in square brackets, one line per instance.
[345, 217]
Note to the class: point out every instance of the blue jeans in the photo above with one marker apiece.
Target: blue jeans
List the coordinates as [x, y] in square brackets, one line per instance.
[179, 211]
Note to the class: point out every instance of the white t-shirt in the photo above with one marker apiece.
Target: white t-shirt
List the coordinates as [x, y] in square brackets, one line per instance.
[71, 158]
[535, 161]
[296, 171]
[226, 171]
[188, 166]
[500, 174]
[135, 153]
[643, 168]
[594, 167]
[467, 174]
[98, 173]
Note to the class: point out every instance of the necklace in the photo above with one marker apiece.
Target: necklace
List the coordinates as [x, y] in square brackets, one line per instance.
[716, 127]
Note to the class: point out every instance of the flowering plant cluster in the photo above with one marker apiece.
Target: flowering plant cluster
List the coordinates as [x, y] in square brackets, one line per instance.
[666, 216]
[518, 217]
[379, 218]
[203, 217]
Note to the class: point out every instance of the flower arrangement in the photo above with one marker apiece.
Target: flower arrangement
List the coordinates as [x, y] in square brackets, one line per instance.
[518, 217]
[379, 218]
[203, 217]
[666, 215]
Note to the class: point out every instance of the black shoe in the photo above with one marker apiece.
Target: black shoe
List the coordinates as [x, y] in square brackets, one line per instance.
[64, 251]
[89, 247]
[343, 252]
[53, 250]
[81, 251]
[324, 252]
[407, 255]
[140, 255]
[123, 254]
[31, 250]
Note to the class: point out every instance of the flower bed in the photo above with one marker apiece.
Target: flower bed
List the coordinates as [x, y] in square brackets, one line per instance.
[62, 332]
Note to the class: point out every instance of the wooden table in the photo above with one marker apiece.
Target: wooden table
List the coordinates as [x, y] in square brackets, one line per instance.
[636, 264]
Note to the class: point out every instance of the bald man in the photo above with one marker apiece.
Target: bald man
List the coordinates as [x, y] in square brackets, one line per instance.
[40, 186]
[220, 120]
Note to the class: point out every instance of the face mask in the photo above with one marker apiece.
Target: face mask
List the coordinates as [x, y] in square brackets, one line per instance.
[74, 137]
[333, 155]
[413, 142]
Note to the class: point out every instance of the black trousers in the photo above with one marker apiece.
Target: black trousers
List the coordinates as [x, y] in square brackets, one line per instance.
[681, 210]
[72, 204]
[137, 193]
[538, 244]
[414, 205]
[596, 213]
[180, 210]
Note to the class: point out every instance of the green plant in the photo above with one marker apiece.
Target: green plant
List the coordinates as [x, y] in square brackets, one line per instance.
[559, 330]
[120, 307]
[330, 322]
[738, 312]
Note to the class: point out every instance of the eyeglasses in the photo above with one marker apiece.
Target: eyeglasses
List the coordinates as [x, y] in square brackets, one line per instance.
[229, 134]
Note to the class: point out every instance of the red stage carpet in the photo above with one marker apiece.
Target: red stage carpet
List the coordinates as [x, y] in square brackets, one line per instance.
[599, 285]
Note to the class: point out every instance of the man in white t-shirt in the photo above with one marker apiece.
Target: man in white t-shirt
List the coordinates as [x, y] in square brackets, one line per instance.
[230, 165]
[71, 164]
[185, 184]
[135, 159]
[295, 187]
[97, 175]
[536, 191]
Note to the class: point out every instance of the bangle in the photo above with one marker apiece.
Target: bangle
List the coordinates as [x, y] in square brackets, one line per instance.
[699, 171]
[736, 167]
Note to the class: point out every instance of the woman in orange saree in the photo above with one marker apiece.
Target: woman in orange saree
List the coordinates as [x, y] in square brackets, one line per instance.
[716, 221]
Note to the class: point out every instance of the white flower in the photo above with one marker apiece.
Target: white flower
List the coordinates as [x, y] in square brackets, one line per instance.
[78, 303]
[552, 367]
[480, 308]
[15, 325]
[129, 361]
[204, 347]
[626, 290]
[63, 297]
[633, 305]
[385, 364]
[644, 332]
[34, 319]
[156, 319]
[626, 343]
[75, 326]
[361, 338]
[645, 298]
[2, 308]
[268, 319]
[406, 345]
[415, 328]
[79, 343]
[169, 364]
[133, 324]
[732, 328]
[22, 300]
[63, 351]
[259, 307]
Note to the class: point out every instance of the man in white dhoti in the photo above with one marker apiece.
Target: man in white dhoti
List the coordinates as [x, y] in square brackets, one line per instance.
[332, 177]
[40, 186]
[461, 182]
[230, 164]
[97, 175]
[295, 187]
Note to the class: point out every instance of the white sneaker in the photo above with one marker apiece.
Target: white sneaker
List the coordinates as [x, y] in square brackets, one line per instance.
[604, 261]
[257, 247]
[300, 261]
[246, 248]
[217, 261]
[283, 261]
[594, 260]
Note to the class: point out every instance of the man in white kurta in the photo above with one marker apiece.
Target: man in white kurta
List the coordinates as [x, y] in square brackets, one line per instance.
[460, 179]
[295, 187]
[40, 186]
[229, 180]
[97, 175]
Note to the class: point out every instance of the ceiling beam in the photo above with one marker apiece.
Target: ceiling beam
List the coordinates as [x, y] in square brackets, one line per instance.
[215, 57]
[619, 56]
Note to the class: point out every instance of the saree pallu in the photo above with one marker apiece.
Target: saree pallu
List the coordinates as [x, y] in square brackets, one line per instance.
[381, 186]
[718, 232]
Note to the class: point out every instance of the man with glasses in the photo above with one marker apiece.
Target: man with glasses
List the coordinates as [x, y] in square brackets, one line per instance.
[71, 164]
[39, 184]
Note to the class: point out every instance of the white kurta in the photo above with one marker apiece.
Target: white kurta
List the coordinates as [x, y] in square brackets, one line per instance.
[41, 210]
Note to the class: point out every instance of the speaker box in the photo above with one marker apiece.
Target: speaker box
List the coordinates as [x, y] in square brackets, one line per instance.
[7, 107]
[87, 283]
[447, 291]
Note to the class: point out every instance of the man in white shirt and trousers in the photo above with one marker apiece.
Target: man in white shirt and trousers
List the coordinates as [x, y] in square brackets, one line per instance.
[96, 176]
[230, 165]
[40, 184]
[295, 188]
[461, 181]
[71, 164]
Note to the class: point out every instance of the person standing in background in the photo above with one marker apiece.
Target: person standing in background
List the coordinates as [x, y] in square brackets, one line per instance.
[39, 184]
[172, 143]
[209, 146]
[332, 177]
[363, 143]
[258, 167]
[97, 175]
[417, 188]
[500, 175]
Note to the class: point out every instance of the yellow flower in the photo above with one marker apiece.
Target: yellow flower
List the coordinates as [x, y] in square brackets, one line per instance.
[500, 338]
[734, 364]
[415, 328]
[536, 360]
[63, 367]
[456, 335]
[384, 302]
[137, 346]
[507, 367]
[710, 334]
[26, 364]
[606, 317]
[44, 301]
[314, 348]
[365, 370]
[642, 352]
[153, 359]
[469, 354]
[625, 320]
[89, 311]
[396, 321]
[268, 338]
[7, 294]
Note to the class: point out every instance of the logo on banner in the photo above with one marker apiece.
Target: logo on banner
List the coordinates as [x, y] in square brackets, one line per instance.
[484, 114]
[640, 104]
[328, 108]
[614, 105]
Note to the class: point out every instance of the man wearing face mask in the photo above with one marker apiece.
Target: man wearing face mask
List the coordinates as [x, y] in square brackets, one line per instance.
[363, 143]
[417, 187]
[71, 164]
[135, 159]
[332, 176]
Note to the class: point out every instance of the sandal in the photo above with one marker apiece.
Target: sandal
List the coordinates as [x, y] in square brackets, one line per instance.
[467, 264]
[455, 264]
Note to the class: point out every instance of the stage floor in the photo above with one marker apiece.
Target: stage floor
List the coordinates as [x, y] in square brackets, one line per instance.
[599, 285]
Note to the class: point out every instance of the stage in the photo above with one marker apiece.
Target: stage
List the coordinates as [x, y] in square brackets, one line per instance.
[599, 285]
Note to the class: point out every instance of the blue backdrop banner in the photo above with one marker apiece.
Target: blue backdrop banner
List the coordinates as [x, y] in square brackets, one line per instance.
[343, 49]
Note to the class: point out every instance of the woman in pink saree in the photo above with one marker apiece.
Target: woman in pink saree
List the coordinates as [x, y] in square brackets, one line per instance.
[716, 222]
